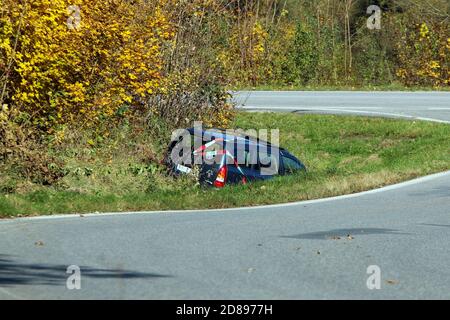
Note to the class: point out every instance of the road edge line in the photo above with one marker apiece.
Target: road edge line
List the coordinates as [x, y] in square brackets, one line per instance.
[240, 209]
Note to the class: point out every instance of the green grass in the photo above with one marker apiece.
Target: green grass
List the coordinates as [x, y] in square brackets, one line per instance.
[343, 154]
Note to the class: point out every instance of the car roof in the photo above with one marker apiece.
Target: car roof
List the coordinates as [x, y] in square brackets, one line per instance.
[236, 136]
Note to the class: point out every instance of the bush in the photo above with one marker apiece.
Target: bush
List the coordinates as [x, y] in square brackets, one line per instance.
[196, 78]
[59, 71]
[23, 155]
[304, 57]
[423, 54]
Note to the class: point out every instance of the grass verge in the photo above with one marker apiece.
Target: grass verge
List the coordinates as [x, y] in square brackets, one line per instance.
[343, 154]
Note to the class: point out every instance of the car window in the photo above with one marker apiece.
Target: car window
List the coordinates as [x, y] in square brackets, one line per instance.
[290, 165]
[268, 164]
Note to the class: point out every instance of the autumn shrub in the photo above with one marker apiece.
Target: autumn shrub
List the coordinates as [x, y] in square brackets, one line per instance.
[23, 154]
[328, 43]
[195, 77]
[69, 67]
[245, 52]
[423, 55]
[83, 63]
[373, 52]
[303, 56]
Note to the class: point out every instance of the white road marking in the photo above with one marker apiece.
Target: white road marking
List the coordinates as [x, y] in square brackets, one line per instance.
[355, 111]
[389, 114]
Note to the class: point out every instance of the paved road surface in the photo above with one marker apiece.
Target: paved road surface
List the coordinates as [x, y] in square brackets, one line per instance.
[308, 250]
[430, 105]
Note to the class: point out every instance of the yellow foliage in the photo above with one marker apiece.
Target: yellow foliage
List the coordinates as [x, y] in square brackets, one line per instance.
[424, 56]
[246, 50]
[424, 31]
[57, 73]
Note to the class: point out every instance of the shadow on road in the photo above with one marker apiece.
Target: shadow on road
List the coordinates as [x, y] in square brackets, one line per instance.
[341, 233]
[13, 273]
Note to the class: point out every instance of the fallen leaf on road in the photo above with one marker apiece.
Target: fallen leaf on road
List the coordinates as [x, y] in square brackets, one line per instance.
[39, 243]
[392, 282]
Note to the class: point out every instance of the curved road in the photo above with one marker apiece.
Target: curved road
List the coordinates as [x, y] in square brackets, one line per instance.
[409, 105]
[317, 249]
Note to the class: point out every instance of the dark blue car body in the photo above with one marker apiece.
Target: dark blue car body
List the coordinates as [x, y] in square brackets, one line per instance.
[228, 170]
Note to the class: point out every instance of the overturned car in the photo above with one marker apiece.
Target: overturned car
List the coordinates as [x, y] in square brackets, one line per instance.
[221, 157]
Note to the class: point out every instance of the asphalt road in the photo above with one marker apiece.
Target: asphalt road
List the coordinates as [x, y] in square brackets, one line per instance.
[309, 250]
[428, 105]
